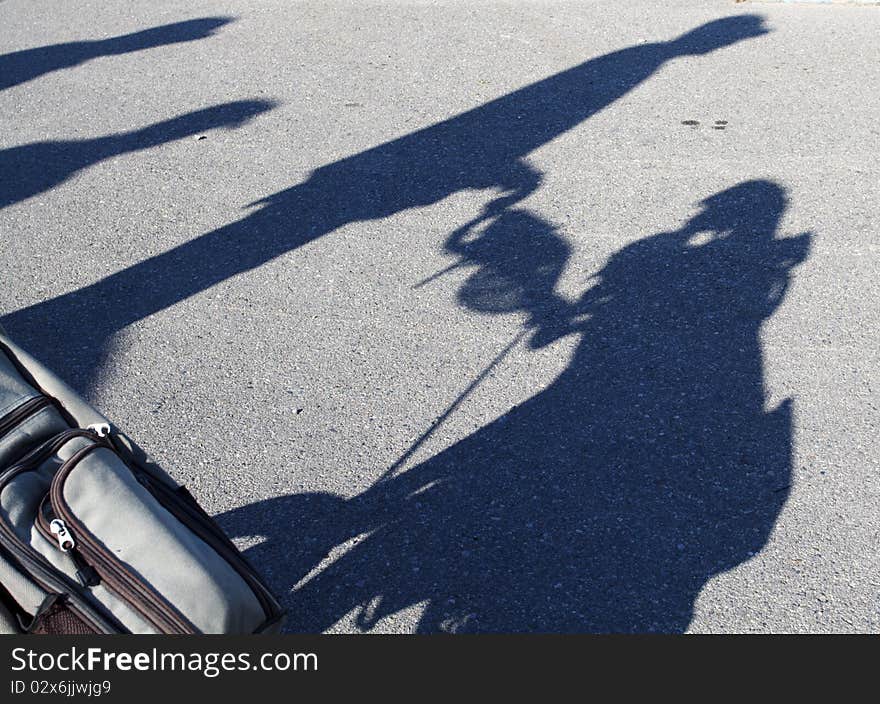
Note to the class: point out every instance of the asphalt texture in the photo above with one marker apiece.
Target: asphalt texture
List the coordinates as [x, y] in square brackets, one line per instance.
[469, 317]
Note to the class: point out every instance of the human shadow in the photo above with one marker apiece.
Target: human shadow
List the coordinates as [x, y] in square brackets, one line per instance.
[607, 500]
[486, 147]
[25, 65]
[32, 169]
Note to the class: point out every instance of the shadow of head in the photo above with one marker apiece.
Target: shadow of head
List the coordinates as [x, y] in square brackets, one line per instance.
[749, 209]
[175, 33]
[25, 65]
[739, 227]
[226, 116]
[719, 33]
[229, 115]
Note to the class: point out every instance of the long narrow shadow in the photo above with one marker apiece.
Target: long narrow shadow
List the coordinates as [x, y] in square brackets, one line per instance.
[28, 64]
[486, 147]
[606, 501]
[31, 169]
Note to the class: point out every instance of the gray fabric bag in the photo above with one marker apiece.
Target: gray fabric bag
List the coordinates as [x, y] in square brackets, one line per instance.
[95, 537]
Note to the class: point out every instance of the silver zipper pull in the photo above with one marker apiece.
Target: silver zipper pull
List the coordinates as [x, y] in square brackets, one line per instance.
[102, 430]
[59, 530]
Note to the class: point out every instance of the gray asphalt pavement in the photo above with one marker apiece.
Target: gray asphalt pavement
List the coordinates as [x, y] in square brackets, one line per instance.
[531, 316]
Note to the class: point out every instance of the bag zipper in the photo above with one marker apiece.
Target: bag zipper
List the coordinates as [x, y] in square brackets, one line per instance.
[22, 412]
[117, 578]
[112, 572]
[85, 567]
[88, 572]
[55, 531]
[39, 570]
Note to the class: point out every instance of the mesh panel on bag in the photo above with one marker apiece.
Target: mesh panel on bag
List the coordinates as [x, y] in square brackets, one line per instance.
[59, 620]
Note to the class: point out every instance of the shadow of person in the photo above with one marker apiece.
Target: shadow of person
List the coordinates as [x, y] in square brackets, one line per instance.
[485, 147]
[22, 66]
[605, 501]
[32, 169]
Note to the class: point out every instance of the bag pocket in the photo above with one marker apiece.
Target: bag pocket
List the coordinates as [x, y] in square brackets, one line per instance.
[150, 547]
[31, 570]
